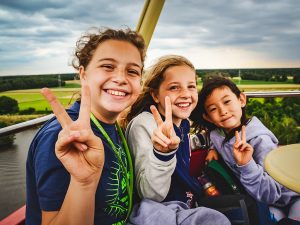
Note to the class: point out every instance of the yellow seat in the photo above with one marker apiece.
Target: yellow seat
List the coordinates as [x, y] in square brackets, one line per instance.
[283, 164]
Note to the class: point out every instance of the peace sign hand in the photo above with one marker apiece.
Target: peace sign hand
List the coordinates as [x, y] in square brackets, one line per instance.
[242, 151]
[77, 147]
[164, 138]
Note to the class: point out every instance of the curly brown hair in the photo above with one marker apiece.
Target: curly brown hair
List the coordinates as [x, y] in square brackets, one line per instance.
[88, 42]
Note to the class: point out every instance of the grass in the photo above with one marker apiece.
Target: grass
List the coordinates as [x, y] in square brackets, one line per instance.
[34, 99]
[67, 95]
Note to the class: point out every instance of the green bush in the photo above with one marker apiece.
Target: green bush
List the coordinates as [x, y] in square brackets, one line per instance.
[27, 111]
[281, 116]
[8, 105]
[7, 140]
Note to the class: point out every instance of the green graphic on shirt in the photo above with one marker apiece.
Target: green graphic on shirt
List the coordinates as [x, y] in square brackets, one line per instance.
[118, 199]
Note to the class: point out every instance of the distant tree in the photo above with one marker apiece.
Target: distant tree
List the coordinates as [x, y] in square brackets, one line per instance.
[8, 105]
[27, 111]
[296, 79]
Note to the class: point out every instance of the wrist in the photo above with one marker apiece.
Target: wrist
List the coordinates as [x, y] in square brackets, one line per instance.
[89, 183]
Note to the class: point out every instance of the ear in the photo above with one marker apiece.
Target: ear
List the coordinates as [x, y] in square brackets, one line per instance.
[243, 99]
[154, 96]
[82, 73]
[206, 117]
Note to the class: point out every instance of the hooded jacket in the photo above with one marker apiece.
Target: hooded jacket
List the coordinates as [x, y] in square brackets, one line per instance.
[253, 176]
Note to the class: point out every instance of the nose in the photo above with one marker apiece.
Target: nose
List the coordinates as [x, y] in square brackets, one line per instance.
[222, 111]
[120, 76]
[185, 93]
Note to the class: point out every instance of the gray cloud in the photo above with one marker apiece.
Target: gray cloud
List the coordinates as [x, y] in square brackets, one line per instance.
[33, 31]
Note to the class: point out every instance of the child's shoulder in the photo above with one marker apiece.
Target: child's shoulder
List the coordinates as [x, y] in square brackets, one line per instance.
[144, 118]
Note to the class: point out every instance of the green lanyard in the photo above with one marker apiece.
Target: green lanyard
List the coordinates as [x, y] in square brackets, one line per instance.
[128, 178]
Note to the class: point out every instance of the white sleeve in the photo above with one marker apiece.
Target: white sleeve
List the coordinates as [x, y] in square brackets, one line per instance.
[152, 173]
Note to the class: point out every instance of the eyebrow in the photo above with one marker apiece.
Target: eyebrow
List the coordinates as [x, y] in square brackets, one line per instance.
[177, 82]
[221, 99]
[113, 60]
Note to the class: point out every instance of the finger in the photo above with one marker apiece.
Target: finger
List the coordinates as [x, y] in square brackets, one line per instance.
[80, 146]
[64, 142]
[168, 110]
[158, 143]
[156, 115]
[66, 133]
[237, 137]
[246, 147]
[85, 105]
[157, 133]
[215, 157]
[237, 145]
[244, 133]
[59, 111]
[175, 142]
[243, 146]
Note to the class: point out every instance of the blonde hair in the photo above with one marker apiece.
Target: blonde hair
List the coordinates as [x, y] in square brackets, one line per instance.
[152, 80]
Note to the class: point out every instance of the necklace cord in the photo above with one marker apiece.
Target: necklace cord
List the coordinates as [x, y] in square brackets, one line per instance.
[129, 179]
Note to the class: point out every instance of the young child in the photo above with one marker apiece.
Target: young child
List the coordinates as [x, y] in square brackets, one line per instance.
[159, 140]
[243, 144]
[68, 179]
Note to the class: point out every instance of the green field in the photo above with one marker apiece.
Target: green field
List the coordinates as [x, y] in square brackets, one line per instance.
[67, 95]
[34, 99]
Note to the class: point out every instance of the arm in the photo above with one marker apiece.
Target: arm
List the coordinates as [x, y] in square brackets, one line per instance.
[153, 175]
[253, 176]
[78, 206]
[81, 153]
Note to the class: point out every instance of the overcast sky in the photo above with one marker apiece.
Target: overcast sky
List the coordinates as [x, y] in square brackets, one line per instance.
[38, 36]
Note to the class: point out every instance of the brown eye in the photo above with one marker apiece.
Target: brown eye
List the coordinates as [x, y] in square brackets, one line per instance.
[107, 67]
[133, 72]
[174, 87]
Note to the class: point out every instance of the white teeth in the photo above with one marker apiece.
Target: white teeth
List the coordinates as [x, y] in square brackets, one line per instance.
[183, 104]
[117, 93]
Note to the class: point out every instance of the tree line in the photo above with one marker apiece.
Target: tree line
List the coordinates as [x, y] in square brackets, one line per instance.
[279, 75]
[8, 83]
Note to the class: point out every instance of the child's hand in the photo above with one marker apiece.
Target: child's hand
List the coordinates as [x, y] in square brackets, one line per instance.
[77, 147]
[242, 151]
[164, 138]
[211, 155]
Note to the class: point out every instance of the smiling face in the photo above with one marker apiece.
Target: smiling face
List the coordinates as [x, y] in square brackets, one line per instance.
[224, 108]
[180, 85]
[113, 75]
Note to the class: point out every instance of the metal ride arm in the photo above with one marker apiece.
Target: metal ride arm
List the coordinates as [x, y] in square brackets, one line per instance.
[148, 18]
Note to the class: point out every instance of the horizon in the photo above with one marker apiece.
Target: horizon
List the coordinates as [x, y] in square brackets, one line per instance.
[55, 74]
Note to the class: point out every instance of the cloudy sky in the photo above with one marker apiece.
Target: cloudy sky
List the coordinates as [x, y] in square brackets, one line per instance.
[38, 36]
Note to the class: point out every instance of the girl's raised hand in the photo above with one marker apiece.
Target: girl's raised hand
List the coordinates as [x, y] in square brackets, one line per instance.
[164, 138]
[77, 147]
[242, 151]
[211, 155]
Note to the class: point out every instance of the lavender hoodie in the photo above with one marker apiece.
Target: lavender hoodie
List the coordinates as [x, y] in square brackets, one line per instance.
[253, 176]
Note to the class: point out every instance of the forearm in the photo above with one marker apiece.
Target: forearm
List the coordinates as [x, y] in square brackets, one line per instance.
[259, 184]
[154, 179]
[153, 176]
[78, 206]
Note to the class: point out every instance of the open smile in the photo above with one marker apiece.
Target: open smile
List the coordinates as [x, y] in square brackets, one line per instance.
[118, 93]
[183, 105]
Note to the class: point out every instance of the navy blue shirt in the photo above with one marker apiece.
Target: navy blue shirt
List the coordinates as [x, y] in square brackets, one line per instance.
[183, 186]
[47, 180]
